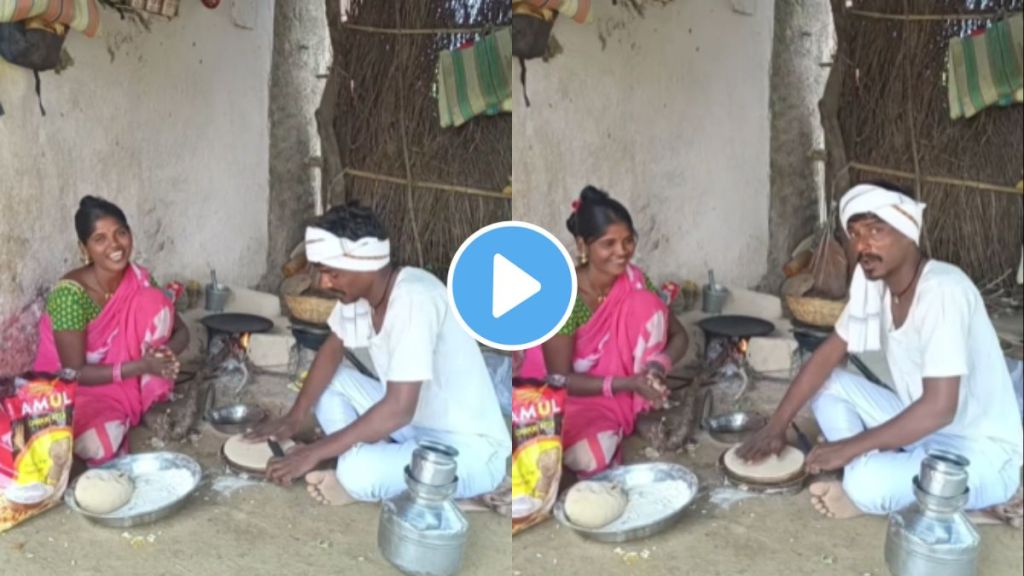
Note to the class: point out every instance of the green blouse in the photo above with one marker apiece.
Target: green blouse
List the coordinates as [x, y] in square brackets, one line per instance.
[70, 307]
[581, 314]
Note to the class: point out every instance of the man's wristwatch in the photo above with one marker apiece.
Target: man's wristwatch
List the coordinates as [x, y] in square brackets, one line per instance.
[556, 380]
[68, 374]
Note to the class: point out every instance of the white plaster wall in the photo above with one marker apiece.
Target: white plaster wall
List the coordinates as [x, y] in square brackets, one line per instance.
[170, 124]
[669, 112]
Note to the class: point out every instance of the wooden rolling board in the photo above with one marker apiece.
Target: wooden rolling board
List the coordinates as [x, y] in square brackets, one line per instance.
[782, 487]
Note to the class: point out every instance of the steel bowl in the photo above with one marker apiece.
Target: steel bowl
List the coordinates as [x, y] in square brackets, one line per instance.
[944, 474]
[433, 463]
[235, 418]
[633, 479]
[949, 505]
[134, 466]
[734, 427]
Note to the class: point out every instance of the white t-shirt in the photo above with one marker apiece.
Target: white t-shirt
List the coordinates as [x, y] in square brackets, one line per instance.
[421, 341]
[948, 333]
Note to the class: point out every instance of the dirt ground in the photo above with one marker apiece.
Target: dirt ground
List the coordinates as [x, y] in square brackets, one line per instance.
[255, 530]
[261, 529]
[760, 536]
[230, 527]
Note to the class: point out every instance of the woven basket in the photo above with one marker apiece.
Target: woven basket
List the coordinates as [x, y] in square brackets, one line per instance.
[310, 309]
[815, 311]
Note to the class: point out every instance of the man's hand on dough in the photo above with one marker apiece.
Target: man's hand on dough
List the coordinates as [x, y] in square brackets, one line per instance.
[280, 429]
[295, 464]
[766, 442]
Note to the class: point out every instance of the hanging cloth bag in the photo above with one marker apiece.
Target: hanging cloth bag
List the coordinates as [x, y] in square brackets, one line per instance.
[34, 44]
[531, 33]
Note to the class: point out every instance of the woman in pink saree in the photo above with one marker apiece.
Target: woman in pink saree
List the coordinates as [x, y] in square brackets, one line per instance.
[618, 346]
[109, 327]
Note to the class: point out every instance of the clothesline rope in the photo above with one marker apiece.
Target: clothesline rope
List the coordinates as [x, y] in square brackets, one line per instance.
[428, 185]
[925, 17]
[936, 179]
[416, 31]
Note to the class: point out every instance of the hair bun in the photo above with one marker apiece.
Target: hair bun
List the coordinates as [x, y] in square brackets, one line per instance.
[592, 194]
[593, 212]
[89, 202]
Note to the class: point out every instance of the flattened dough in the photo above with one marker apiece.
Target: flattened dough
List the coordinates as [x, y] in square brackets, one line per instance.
[103, 491]
[250, 455]
[782, 466]
[594, 504]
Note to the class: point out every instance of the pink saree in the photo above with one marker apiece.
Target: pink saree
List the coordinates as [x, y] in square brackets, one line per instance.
[629, 329]
[138, 318]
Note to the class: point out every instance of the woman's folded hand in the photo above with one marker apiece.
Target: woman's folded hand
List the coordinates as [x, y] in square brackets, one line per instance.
[161, 362]
[651, 387]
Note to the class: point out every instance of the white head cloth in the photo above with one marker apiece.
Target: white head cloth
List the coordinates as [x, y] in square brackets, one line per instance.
[363, 255]
[864, 311]
[351, 322]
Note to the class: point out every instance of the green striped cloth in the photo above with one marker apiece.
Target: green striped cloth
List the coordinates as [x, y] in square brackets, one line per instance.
[986, 69]
[475, 80]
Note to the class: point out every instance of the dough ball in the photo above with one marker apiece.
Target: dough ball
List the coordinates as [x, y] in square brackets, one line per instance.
[103, 491]
[594, 504]
[781, 466]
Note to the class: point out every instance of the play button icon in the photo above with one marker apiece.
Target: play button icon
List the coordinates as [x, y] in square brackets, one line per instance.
[512, 285]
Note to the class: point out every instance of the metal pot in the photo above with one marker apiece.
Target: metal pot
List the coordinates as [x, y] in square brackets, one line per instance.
[217, 297]
[422, 532]
[714, 295]
[934, 537]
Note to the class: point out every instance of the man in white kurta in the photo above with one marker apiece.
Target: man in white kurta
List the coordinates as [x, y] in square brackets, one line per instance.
[433, 383]
[420, 341]
[951, 389]
[947, 333]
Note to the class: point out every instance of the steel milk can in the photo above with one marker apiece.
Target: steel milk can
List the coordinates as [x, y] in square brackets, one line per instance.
[934, 537]
[422, 532]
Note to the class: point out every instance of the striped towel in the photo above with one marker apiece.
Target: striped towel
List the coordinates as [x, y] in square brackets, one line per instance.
[81, 15]
[475, 80]
[986, 69]
[578, 10]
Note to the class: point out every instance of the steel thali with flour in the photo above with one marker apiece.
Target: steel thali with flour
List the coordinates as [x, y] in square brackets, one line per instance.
[658, 494]
[163, 481]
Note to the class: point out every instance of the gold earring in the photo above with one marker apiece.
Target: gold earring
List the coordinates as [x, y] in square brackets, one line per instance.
[84, 257]
[583, 259]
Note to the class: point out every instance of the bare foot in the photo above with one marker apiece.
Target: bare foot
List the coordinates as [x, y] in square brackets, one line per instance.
[500, 499]
[831, 500]
[324, 487]
[472, 505]
[1010, 513]
[983, 518]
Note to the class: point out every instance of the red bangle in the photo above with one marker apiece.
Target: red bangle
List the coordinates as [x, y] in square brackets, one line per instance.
[117, 373]
[606, 389]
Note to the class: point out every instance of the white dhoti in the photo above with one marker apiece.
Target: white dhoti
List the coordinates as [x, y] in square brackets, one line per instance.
[373, 472]
[882, 482]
